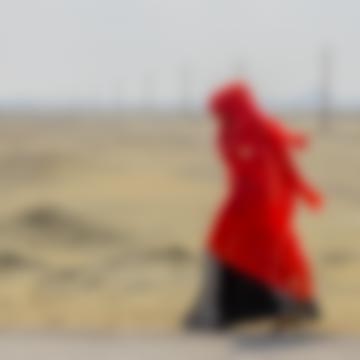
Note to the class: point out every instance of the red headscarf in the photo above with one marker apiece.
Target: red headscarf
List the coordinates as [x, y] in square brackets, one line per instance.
[234, 102]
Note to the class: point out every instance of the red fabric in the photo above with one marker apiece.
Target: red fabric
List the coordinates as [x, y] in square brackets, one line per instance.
[254, 232]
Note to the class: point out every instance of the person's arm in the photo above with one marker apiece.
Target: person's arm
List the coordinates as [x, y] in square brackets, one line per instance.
[292, 174]
[292, 139]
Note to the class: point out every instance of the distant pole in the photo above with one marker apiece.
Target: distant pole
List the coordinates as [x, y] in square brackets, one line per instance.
[326, 87]
[239, 71]
[120, 99]
[148, 91]
[185, 89]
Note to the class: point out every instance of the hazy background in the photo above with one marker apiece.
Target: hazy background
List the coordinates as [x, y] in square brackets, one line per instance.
[131, 52]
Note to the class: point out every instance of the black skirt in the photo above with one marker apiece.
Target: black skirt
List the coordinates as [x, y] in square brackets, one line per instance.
[229, 297]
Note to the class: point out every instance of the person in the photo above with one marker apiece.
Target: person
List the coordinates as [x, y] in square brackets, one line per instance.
[256, 267]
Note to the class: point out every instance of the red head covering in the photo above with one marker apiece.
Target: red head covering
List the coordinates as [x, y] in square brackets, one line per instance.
[235, 103]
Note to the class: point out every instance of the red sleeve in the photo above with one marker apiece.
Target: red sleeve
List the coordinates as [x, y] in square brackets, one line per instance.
[290, 138]
[279, 143]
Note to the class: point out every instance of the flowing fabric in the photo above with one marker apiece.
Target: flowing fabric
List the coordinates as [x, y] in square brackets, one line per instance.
[253, 232]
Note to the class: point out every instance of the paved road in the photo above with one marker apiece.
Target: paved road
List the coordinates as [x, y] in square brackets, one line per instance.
[173, 347]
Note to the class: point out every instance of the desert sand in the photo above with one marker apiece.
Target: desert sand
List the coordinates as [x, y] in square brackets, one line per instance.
[103, 217]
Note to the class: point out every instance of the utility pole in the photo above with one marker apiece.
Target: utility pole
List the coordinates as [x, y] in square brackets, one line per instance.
[326, 104]
[185, 89]
[147, 92]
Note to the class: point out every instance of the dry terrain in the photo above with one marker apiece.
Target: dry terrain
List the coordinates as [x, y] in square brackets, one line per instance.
[103, 216]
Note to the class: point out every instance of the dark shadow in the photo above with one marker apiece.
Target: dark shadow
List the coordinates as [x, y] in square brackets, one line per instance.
[279, 340]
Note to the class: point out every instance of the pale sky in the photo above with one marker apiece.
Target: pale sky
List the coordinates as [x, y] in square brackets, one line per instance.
[107, 51]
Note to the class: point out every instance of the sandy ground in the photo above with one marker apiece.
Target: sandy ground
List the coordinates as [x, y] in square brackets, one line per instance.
[103, 217]
[176, 347]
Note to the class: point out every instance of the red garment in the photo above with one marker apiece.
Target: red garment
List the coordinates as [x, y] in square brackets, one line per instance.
[253, 232]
